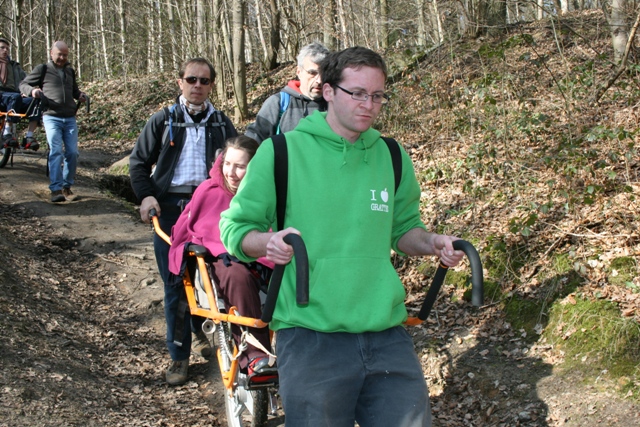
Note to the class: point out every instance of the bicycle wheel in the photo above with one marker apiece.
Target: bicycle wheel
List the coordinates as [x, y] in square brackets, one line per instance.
[5, 153]
[244, 407]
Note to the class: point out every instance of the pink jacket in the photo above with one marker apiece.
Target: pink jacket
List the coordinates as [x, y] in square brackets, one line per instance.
[198, 223]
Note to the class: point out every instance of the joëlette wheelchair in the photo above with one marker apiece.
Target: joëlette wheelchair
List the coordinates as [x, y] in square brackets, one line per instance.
[244, 399]
[9, 148]
[251, 403]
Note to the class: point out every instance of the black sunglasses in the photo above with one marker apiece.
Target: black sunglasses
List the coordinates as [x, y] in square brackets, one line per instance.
[193, 79]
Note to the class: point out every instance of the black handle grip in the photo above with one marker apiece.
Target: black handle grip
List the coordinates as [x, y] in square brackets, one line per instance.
[477, 279]
[302, 278]
[152, 213]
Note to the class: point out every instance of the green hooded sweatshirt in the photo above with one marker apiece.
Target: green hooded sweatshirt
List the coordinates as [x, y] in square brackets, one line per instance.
[341, 198]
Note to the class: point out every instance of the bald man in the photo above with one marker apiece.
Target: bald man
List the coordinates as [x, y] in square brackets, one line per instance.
[60, 88]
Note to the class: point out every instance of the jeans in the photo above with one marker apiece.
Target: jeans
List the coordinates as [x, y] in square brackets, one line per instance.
[173, 292]
[335, 379]
[15, 101]
[61, 131]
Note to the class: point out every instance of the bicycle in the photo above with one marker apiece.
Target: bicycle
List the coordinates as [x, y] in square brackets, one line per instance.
[9, 148]
[204, 300]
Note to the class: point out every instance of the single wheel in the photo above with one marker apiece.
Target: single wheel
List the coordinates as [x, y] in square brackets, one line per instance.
[244, 407]
[5, 153]
[247, 407]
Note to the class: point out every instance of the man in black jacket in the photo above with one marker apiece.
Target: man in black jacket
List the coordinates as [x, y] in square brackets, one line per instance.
[181, 142]
[60, 88]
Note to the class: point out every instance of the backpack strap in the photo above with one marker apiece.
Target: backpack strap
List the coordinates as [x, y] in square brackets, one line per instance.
[281, 171]
[285, 99]
[281, 176]
[396, 160]
[169, 124]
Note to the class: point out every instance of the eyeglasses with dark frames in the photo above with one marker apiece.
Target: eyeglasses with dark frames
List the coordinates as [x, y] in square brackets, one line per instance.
[358, 95]
[204, 81]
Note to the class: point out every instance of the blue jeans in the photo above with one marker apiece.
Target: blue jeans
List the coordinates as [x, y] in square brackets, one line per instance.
[335, 379]
[61, 132]
[172, 292]
[15, 101]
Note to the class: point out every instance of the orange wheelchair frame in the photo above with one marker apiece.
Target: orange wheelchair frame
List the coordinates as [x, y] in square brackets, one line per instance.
[229, 371]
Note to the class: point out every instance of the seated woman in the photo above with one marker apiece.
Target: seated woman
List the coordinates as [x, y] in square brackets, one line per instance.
[198, 224]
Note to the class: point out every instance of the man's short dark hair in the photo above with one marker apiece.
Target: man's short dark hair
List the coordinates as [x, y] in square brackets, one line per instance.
[5, 41]
[332, 66]
[199, 61]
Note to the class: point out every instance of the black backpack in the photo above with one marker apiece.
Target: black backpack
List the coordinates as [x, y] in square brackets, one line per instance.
[281, 171]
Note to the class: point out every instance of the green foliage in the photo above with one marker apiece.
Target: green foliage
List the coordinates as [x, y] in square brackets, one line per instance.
[622, 271]
[594, 337]
[524, 314]
[503, 261]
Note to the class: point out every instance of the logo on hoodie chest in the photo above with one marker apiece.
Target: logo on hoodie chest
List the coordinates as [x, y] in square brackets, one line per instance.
[379, 200]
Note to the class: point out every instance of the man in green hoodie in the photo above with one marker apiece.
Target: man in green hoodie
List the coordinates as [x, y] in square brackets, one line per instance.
[344, 357]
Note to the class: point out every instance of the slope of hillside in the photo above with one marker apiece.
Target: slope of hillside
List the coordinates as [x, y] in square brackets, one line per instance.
[512, 154]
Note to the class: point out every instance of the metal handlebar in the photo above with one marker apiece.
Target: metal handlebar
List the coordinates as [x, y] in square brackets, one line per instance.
[302, 278]
[477, 280]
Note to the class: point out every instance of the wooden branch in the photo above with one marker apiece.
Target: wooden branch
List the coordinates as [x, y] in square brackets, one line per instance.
[623, 63]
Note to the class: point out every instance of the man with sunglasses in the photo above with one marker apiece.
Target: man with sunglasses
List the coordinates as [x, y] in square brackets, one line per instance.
[171, 157]
[344, 357]
[281, 112]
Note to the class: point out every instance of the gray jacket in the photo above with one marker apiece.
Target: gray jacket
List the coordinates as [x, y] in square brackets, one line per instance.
[15, 74]
[268, 117]
[60, 90]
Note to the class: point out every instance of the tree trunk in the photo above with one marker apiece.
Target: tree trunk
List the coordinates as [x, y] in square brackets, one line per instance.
[78, 64]
[103, 32]
[384, 24]
[437, 21]
[49, 28]
[329, 24]
[17, 16]
[175, 62]
[200, 28]
[123, 38]
[619, 32]
[239, 65]
[274, 36]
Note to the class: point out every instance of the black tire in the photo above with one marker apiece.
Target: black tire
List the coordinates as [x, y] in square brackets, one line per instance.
[245, 407]
[5, 152]
[239, 406]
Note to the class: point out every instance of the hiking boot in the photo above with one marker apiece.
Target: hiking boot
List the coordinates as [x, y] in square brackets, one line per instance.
[68, 194]
[30, 143]
[57, 196]
[200, 345]
[9, 141]
[177, 372]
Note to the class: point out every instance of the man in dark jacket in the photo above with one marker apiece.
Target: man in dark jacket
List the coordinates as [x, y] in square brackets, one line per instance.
[181, 142]
[281, 112]
[11, 74]
[60, 88]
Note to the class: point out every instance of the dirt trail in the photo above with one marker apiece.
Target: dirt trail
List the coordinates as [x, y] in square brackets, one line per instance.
[83, 345]
[81, 312]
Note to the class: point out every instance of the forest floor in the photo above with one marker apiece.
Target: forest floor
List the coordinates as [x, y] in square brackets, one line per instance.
[81, 305]
[83, 330]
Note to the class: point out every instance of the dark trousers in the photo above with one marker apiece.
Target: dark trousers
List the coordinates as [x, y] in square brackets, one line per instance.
[170, 211]
[336, 379]
[240, 288]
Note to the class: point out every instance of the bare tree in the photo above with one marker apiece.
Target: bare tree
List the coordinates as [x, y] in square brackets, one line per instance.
[239, 66]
